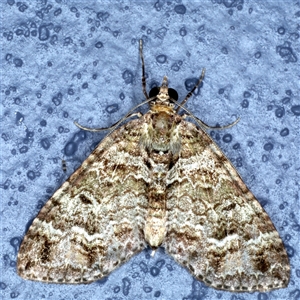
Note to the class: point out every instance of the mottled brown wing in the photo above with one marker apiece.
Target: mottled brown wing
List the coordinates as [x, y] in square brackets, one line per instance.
[94, 221]
[216, 227]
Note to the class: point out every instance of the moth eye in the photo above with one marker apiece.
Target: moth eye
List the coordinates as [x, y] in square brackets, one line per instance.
[173, 94]
[154, 92]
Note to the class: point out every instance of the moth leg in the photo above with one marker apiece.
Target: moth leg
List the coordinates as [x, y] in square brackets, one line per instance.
[204, 125]
[193, 89]
[112, 127]
[143, 70]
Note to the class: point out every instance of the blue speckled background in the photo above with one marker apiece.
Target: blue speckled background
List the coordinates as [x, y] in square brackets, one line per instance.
[78, 60]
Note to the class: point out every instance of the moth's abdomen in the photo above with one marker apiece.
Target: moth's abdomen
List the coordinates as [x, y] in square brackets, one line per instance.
[155, 226]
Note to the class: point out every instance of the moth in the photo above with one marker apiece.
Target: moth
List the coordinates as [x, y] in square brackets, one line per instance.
[158, 180]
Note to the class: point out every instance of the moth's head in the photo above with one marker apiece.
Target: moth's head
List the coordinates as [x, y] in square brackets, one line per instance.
[163, 94]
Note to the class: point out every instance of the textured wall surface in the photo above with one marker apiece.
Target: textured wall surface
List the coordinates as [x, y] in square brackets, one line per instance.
[78, 60]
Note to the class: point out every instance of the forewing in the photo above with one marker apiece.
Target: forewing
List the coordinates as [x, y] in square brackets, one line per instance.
[94, 221]
[216, 228]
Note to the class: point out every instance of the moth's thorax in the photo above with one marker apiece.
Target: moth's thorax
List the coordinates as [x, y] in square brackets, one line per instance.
[158, 106]
[162, 123]
[161, 129]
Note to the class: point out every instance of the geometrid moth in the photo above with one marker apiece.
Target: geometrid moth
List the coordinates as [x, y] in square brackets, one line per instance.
[157, 180]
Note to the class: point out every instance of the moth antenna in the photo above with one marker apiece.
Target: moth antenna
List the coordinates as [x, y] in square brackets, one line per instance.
[200, 122]
[191, 92]
[143, 70]
[130, 114]
[114, 126]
